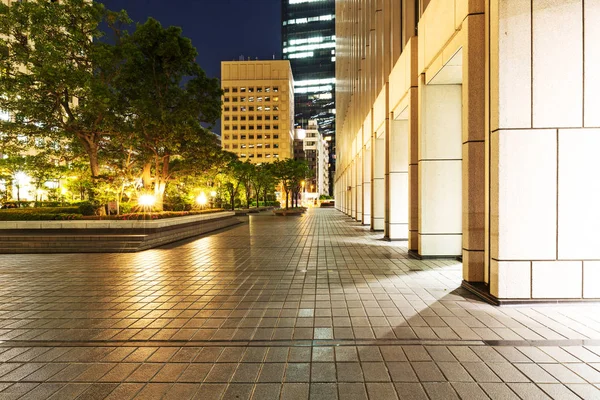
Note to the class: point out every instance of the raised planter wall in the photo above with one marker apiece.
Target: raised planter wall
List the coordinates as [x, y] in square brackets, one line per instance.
[21, 237]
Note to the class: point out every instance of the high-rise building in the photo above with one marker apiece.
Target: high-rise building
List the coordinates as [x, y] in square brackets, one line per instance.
[309, 145]
[308, 39]
[258, 109]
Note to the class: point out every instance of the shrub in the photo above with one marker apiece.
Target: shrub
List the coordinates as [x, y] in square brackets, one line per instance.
[37, 216]
[87, 208]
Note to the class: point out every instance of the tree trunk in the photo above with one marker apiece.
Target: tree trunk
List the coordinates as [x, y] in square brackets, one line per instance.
[146, 176]
[287, 199]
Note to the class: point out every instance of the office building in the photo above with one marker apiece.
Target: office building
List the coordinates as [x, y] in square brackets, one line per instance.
[308, 42]
[476, 138]
[258, 109]
[309, 145]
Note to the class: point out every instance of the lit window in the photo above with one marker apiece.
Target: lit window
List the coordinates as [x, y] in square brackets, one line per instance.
[243, 98]
[275, 88]
[243, 90]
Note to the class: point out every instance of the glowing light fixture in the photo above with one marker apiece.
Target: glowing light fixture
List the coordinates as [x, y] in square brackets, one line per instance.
[201, 199]
[146, 200]
[213, 194]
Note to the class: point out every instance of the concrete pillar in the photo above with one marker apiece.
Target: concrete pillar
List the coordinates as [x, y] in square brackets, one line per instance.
[543, 150]
[359, 186]
[440, 170]
[353, 190]
[367, 192]
[396, 181]
[378, 182]
[473, 139]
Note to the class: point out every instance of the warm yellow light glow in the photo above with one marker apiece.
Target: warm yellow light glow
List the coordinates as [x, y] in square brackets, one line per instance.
[213, 194]
[63, 190]
[201, 199]
[146, 200]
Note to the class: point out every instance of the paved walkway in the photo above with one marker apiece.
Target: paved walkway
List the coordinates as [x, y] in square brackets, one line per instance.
[280, 308]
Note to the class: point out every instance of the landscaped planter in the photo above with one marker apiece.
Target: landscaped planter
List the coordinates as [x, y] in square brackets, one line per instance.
[292, 211]
[106, 236]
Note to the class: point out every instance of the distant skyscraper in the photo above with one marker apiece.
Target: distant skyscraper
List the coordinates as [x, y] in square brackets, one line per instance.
[308, 39]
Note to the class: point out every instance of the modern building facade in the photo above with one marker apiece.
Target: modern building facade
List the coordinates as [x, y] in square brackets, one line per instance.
[308, 42]
[314, 149]
[470, 128]
[258, 109]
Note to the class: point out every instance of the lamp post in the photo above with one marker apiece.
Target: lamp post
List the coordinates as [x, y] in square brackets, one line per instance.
[201, 200]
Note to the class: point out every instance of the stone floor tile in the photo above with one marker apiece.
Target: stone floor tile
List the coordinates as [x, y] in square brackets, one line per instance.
[70, 391]
[440, 391]
[266, 391]
[536, 373]
[246, 373]
[454, 372]
[323, 391]
[43, 391]
[592, 375]
[507, 372]
[401, 372]
[428, 372]
[272, 372]
[323, 372]
[481, 372]
[558, 391]
[349, 372]
[470, 391]
[498, 391]
[352, 391]
[528, 391]
[585, 391]
[181, 391]
[195, 373]
[210, 391]
[238, 391]
[295, 391]
[98, 391]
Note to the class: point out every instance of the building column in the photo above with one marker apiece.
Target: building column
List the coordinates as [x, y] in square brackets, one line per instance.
[544, 139]
[367, 192]
[359, 186]
[440, 170]
[378, 184]
[396, 181]
[353, 190]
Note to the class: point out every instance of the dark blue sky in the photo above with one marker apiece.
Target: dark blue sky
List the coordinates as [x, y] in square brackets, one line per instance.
[220, 29]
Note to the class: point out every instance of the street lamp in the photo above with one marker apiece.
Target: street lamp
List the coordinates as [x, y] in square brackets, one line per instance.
[146, 201]
[201, 200]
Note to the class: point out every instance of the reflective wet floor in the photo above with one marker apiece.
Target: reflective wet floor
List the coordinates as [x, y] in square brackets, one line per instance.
[280, 308]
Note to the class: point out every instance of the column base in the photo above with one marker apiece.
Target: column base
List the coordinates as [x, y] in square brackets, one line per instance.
[415, 255]
[481, 290]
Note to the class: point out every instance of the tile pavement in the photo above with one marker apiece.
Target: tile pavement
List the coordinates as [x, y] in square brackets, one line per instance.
[280, 308]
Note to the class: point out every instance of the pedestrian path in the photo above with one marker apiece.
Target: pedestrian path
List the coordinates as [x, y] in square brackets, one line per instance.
[283, 308]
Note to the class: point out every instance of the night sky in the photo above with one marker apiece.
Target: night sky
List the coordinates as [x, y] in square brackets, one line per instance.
[221, 30]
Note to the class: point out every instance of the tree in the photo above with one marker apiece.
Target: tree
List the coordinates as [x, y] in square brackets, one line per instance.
[57, 79]
[263, 181]
[168, 98]
[291, 173]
